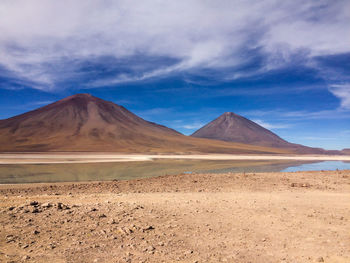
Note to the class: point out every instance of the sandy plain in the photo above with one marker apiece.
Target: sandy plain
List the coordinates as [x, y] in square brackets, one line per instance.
[234, 217]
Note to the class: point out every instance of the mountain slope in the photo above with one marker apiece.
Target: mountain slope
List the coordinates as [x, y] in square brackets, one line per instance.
[86, 123]
[235, 128]
[346, 151]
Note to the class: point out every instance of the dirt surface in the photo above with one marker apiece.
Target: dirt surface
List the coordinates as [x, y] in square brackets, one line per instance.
[265, 217]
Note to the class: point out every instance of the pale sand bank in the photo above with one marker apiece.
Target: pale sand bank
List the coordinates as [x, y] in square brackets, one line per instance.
[42, 158]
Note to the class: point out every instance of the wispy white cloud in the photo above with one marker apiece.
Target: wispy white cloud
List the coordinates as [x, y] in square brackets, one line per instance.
[39, 39]
[192, 126]
[40, 103]
[343, 93]
[272, 125]
[298, 115]
[317, 138]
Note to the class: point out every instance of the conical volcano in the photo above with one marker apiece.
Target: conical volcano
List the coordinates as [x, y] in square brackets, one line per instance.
[232, 127]
[85, 123]
[78, 122]
[235, 128]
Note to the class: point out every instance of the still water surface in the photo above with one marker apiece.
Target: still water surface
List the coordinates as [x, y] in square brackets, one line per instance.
[326, 165]
[36, 173]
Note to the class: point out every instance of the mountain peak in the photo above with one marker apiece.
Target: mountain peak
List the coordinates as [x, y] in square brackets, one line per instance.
[235, 128]
[83, 100]
[84, 96]
[229, 114]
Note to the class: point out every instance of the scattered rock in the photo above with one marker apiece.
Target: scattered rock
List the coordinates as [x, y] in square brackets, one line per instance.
[148, 228]
[35, 210]
[320, 259]
[25, 257]
[34, 203]
[46, 205]
[150, 248]
[51, 246]
[112, 221]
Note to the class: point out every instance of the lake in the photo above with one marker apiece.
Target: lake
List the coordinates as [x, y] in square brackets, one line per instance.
[40, 173]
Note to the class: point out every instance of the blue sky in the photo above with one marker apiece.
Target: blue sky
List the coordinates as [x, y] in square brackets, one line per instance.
[283, 64]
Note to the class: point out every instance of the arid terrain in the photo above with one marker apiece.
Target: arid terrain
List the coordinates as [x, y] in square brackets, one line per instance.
[262, 217]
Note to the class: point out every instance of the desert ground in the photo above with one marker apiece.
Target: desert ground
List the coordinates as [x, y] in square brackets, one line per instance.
[235, 217]
[41, 158]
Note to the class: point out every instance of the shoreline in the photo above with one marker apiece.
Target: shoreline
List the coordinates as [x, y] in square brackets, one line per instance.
[145, 179]
[57, 158]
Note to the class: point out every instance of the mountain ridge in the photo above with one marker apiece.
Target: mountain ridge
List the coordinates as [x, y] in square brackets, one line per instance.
[83, 122]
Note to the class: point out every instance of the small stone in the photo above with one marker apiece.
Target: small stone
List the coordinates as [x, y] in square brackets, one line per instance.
[148, 228]
[112, 221]
[102, 216]
[25, 257]
[35, 232]
[151, 248]
[11, 208]
[35, 210]
[34, 203]
[320, 259]
[46, 205]
[61, 206]
[51, 246]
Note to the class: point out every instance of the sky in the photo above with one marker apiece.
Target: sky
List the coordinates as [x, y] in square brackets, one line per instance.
[283, 64]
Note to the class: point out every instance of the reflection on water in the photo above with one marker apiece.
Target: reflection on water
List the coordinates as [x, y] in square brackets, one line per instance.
[34, 173]
[327, 165]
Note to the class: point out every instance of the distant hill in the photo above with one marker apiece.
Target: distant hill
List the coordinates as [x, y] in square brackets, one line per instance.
[231, 127]
[86, 123]
[346, 151]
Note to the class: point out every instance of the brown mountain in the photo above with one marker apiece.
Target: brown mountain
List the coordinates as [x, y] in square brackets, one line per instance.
[231, 127]
[346, 151]
[86, 123]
